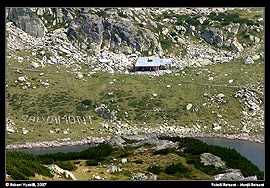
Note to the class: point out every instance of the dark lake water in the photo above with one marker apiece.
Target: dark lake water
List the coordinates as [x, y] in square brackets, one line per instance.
[65, 149]
[251, 150]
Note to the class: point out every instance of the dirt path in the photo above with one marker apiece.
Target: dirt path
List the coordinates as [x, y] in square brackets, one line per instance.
[216, 85]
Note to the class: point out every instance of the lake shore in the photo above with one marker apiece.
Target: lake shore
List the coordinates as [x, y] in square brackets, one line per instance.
[97, 140]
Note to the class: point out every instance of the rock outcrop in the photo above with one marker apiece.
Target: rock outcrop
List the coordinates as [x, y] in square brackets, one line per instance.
[234, 175]
[57, 170]
[139, 176]
[27, 20]
[106, 113]
[108, 34]
[210, 159]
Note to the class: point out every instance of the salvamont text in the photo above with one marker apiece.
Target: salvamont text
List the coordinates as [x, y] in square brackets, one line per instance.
[57, 119]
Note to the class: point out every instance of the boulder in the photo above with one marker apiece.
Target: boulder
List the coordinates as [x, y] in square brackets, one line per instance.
[249, 61]
[153, 177]
[21, 79]
[79, 75]
[140, 176]
[216, 127]
[62, 49]
[34, 65]
[42, 53]
[210, 159]
[189, 106]
[236, 46]
[220, 95]
[105, 113]
[124, 160]
[56, 169]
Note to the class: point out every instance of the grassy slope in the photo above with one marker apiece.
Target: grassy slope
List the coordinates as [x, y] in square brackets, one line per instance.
[131, 93]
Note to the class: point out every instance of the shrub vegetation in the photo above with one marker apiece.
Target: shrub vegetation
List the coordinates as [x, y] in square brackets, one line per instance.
[174, 168]
[21, 165]
[97, 153]
[233, 159]
[154, 169]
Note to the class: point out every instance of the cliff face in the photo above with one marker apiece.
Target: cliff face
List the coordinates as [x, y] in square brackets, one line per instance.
[99, 33]
[147, 31]
[27, 20]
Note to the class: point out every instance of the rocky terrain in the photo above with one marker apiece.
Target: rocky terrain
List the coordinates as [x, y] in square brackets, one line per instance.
[66, 64]
[146, 158]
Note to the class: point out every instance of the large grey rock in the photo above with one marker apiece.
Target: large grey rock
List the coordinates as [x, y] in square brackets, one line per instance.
[27, 20]
[105, 113]
[212, 36]
[210, 159]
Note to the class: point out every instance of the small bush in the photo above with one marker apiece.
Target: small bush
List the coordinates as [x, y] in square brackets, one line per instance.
[164, 151]
[138, 162]
[192, 21]
[124, 154]
[100, 158]
[191, 161]
[172, 169]
[91, 163]
[87, 102]
[102, 14]
[154, 169]
[66, 165]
